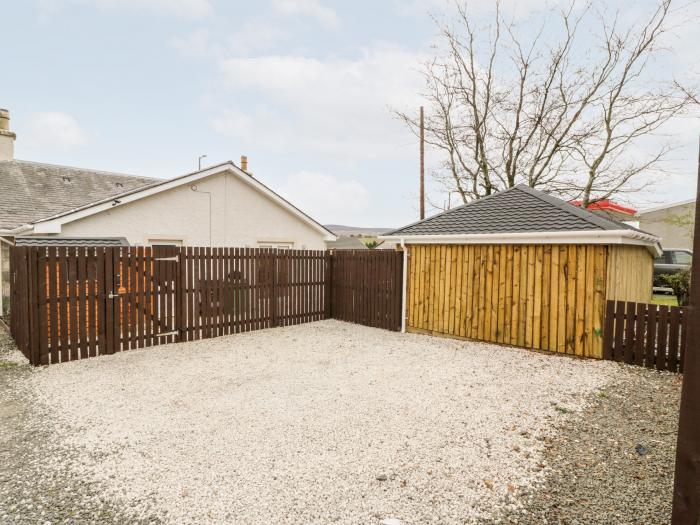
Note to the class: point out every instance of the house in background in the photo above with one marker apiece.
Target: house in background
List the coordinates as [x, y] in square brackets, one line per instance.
[611, 210]
[673, 223]
[221, 205]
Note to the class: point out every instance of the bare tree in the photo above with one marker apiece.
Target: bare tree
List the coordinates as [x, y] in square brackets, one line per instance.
[550, 111]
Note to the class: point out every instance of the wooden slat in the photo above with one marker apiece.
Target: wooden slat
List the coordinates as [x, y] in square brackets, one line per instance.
[618, 349]
[537, 304]
[628, 345]
[609, 335]
[530, 296]
[674, 338]
[651, 336]
[82, 300]
[639, 331]
[661, 343]
[42, 298]
[72, 293]
[109, 308]
[63, 303]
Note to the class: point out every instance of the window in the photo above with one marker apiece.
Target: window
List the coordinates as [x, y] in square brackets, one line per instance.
[165, 242]
[277, 245]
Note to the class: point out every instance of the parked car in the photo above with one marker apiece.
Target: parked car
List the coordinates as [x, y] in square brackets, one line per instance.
[671, 261]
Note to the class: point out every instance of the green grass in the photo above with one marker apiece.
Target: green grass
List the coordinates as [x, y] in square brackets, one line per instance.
[669, 300]
[7, 364]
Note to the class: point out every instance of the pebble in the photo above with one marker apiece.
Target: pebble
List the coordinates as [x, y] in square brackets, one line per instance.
[288, 426]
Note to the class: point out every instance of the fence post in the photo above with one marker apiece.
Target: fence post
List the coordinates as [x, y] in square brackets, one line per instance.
[274, 256]
[33, 306]
[328, 284]
[686, 496]
[180, 295]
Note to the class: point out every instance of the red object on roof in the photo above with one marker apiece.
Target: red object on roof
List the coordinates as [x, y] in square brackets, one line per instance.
[607, 205]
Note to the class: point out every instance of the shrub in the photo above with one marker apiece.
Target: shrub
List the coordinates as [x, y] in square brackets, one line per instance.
[680, 283]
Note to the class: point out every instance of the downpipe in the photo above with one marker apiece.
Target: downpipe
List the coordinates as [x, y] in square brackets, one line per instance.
[404, 279]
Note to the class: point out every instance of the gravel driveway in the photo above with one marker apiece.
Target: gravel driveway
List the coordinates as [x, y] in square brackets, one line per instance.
[319, 423]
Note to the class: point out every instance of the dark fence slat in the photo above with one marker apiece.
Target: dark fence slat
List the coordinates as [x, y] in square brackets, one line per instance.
[652, 324]
[661, 344]
[630, 324]
[645, 335]
[639, 334]
[674, 326]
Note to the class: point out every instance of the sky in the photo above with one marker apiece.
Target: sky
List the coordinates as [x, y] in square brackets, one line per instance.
[304, 88]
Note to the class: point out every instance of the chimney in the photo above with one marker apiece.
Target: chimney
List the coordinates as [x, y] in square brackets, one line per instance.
[244, 163]
[7, 138]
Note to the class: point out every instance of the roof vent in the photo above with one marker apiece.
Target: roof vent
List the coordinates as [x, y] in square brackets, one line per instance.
[119, 185]
[65, 179]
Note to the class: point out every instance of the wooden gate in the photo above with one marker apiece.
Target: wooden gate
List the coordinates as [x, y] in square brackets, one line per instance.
[75, 302]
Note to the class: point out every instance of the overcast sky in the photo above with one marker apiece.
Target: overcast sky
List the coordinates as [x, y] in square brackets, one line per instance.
[303, 87]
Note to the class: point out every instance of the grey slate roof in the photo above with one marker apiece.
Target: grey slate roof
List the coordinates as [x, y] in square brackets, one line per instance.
[520, 209]
[30, 191]
[71, 241]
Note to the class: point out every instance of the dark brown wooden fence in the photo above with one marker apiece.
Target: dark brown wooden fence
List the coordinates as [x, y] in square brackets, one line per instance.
[366, 287]
[646, 335]
[75, 302]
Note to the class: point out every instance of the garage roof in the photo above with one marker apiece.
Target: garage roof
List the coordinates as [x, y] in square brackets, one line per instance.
[521, 215]
[517, 209]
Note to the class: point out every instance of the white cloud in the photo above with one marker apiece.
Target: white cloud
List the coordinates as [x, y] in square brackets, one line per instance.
[311, 8]
[195, 45]
[180, 8]
[327, 198]
[337, 106]
[54, 131]
[254, 35]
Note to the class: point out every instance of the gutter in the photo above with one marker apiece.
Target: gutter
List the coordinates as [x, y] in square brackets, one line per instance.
[17, 231]
[567, 237]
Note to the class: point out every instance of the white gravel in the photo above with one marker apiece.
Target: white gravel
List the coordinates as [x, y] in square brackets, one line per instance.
[319, 423]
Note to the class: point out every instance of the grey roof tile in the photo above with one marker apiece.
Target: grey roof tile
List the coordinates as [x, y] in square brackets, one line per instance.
[30, 191]
[71, 241]
[520, 209]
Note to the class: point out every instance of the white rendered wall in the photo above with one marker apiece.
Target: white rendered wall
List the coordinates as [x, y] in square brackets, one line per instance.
[240, 216]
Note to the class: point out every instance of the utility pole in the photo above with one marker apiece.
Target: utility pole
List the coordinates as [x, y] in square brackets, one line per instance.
[422, 165]
[686, 490]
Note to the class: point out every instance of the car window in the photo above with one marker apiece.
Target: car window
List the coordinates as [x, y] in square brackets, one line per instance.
[664, 259]
[682, 258]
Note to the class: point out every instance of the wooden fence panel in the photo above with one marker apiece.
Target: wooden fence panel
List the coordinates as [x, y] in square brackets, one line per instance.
[365, 287]
[75, 302]
[646, 335]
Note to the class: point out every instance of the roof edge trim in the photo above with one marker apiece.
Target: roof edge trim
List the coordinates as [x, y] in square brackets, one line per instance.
[562, 237]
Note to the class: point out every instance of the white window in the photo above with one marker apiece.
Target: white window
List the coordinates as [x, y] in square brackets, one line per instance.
[277, 245]
[165, 242]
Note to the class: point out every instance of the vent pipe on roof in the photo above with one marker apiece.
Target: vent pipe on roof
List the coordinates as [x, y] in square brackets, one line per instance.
[7, 137]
